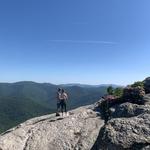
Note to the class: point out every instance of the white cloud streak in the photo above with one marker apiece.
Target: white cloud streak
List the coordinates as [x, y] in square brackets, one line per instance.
[82, 42]
[80, 23]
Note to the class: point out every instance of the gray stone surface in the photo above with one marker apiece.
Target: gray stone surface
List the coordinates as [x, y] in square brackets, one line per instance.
[128, 110]
[147, 99]
[128, 128]
[77, 131]
[128, 133]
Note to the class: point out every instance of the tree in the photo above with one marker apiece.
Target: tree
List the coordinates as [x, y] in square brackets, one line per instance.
[110, 90]
[118, 92]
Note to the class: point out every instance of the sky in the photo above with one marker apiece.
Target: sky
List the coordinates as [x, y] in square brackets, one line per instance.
[75, 41]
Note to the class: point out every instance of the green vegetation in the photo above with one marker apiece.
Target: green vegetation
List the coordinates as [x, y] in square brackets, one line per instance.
[110, 90]
[132, 93]
[15, 110]
[138, 84]
[118, 92]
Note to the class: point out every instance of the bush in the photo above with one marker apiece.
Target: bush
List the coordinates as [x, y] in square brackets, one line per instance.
[118, 92]
[110, 90]
[138, 84]
[133, 94]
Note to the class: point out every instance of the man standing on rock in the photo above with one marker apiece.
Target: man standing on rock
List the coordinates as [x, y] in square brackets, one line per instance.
[63, 102]
[59, 92]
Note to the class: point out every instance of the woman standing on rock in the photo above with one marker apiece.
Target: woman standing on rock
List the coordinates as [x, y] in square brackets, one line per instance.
[59, 92]
[63, 102]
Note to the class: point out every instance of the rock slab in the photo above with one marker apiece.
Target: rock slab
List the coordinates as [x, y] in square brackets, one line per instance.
[77, 131]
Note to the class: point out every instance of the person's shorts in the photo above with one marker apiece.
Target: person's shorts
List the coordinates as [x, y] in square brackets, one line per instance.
[63, 103]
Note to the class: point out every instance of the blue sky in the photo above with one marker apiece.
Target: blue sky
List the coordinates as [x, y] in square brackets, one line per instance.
[75, 41]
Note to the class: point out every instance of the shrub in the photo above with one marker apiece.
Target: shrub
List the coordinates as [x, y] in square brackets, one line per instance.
[118, 92]
[133, 94]
[110, 90]
[138, 84]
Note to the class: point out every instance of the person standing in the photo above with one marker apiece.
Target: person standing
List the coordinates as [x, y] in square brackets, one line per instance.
[59, 92]
[63, 102]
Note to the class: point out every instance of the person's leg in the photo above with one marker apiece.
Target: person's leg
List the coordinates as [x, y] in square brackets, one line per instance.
[57, 112]
[58, 107]
[65, 106]
[62, 107]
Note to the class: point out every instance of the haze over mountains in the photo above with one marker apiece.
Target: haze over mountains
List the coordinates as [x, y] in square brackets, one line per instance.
[23, 100]
[88, 85]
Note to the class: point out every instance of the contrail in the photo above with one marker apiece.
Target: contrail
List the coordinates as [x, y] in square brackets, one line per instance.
[83, 42]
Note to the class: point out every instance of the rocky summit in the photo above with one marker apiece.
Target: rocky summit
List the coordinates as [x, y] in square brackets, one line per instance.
[79, 130]
[86, 128]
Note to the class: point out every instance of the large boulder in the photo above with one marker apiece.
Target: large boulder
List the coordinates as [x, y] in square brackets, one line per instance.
[128, 128]
[128, 110]
[147, 85]
[127, 133]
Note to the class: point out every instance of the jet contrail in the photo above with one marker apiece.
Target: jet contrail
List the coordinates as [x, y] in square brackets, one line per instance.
[83, 42]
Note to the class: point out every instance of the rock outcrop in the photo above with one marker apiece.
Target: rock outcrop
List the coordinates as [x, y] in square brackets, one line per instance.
[128, 127]
[147, 99]
[147, 85]
[126, 133]
[77, 131]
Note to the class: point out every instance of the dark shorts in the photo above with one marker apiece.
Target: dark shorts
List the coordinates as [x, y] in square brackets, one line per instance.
[58, 105]
[63, 106]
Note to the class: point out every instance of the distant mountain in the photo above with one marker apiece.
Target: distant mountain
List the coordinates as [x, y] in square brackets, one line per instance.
[23, 100]
[88, 85]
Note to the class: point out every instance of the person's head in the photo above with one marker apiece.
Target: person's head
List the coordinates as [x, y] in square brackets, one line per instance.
[59, 89]
[63, 90]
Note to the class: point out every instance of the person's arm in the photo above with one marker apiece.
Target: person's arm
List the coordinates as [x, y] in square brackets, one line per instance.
[66, 96]
[58, 96]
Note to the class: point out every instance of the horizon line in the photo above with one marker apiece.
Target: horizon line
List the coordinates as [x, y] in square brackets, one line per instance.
[63, 83]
